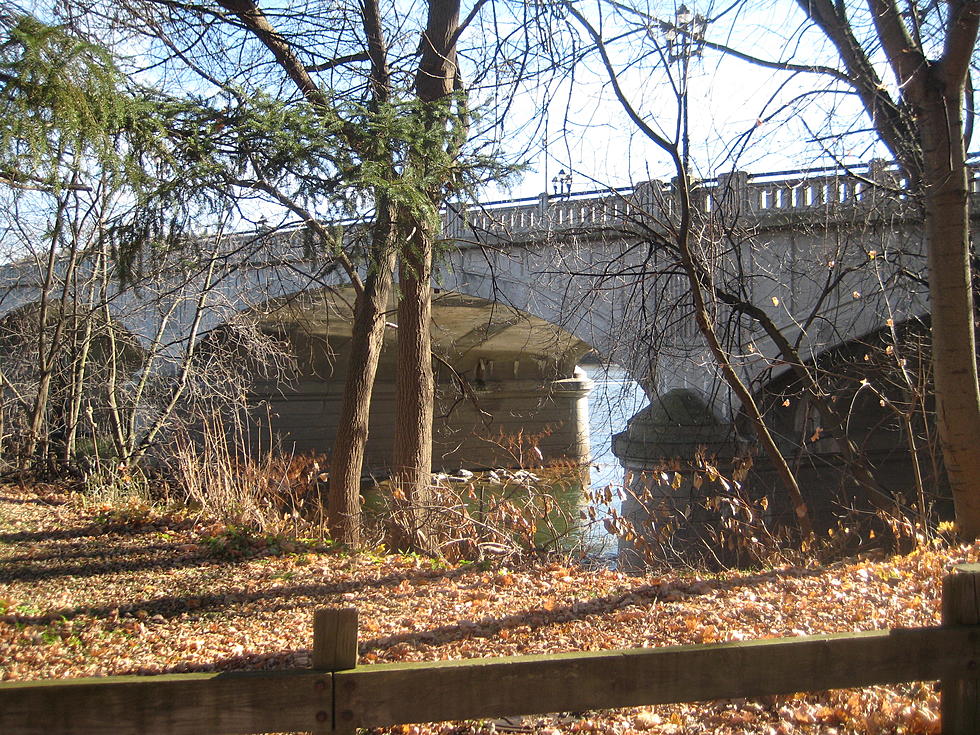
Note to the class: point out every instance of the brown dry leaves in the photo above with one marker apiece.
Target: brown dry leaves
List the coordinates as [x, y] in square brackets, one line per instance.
[81, 595]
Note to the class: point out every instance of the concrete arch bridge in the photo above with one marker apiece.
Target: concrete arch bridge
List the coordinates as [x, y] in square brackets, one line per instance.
[527, 287]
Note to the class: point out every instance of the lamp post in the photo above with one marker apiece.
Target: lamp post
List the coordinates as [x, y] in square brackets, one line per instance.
[562, 184]
[685, 40]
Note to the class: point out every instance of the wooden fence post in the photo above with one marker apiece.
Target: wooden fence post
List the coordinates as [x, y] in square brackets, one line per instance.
[335, 638]
[961, 606]
[335, 649]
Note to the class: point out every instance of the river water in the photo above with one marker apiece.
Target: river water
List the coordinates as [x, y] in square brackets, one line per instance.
[613, 401]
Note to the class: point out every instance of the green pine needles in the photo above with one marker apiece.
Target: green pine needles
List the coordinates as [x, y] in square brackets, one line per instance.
[61, 104]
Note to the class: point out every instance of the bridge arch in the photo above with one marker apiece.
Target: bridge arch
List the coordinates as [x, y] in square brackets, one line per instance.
[879, 383]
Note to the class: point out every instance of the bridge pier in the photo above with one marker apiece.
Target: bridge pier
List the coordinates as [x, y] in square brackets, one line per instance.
[508, 393]
[665, 452]
[503, 423]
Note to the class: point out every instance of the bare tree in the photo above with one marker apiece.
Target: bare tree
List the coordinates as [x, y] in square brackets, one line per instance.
[89, 158]
[915, 105]
[928, 48]
[677, 234]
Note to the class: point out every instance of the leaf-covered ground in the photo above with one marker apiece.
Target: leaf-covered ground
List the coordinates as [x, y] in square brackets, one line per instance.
[89, 592]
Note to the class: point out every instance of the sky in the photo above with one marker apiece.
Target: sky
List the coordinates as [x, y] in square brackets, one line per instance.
[576, 125]
[587, 132]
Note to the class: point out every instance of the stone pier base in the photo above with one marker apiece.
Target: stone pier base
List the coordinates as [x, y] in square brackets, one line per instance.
[519, 423]
[662, 496]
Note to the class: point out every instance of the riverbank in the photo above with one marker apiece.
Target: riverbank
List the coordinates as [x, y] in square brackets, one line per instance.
[93, 591]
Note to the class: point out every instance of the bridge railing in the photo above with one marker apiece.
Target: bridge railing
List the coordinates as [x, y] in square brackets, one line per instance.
[825, 189]
[583, 210]
[818, 190]
[804, 194]
[337, 697]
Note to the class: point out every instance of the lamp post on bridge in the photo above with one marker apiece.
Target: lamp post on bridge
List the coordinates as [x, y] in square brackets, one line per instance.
[562, 184]
[685, 41]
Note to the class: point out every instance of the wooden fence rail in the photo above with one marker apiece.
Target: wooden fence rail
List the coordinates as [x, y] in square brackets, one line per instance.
[338, 696]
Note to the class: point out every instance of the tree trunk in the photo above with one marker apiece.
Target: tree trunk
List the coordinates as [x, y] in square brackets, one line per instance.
[951, 296]
[415, 393]
[367, 335]
[436, 79]
[367, 341]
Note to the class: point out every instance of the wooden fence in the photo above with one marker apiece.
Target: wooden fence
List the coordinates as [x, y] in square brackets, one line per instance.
[337, 696]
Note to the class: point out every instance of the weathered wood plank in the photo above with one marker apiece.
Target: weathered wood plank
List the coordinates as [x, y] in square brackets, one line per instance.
[229, 703]
[335, 638]
[335, 647]
[961, 696]
[377, 696]
[185, 704]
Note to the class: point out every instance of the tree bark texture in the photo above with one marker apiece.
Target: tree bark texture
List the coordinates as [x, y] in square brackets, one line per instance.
[367, 341]
[435, 80]
[951, 300]
[437, 74]
[367, 331]
[414, 391]
[934, 91]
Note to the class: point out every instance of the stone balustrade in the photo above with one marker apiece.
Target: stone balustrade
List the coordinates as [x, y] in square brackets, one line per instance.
[814, 191]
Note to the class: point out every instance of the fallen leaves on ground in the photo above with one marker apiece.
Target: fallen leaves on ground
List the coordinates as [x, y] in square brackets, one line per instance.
[88, 592]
